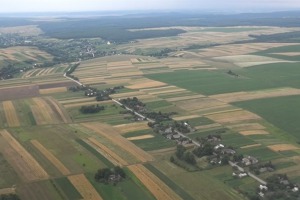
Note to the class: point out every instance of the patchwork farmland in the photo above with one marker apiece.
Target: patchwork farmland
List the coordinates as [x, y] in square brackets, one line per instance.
[238, 98]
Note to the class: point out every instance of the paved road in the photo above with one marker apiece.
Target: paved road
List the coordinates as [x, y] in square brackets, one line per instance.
[249, 173]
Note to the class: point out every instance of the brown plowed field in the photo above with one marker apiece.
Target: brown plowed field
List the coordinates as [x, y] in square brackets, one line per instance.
[18, 92]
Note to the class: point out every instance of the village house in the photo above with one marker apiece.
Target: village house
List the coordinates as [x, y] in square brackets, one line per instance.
[249, 160]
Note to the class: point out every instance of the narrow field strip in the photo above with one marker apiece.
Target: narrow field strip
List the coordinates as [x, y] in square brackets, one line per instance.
[113, 135]
[84, 187]
[108, 153]
[159, 189]
[59, 165]
[21, 160]
[11, 116]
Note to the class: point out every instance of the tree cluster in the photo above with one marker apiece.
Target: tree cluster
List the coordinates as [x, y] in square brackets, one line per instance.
[107, 175]
[205, 150]
[91, 109]
[183, 154]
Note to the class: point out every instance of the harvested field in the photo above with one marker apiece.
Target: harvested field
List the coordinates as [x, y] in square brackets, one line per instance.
[186, 117]
[53, 90]
[47, 112]
[197, 104]
[58, 110]
[159, 189]
[247, 126]
[59, 165]
[7, 191]
[167, 91]
[11, 116]
[250, 146]
[184, 98]
[254, 132]
[88, 103]
[147, 84]
[127, 94]
[125, 128]
[142, 137]
[283, 147]
[106, 152]
[233, 116]
[84, 187]
[287, 54]
[114, 135]
[207, 126]
[261, 94]
[24, 164]
[18, 92]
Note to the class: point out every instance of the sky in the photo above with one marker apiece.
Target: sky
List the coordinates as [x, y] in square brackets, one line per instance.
[112, 5]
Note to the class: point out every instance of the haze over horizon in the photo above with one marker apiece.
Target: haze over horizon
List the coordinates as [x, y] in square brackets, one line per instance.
[15, 6]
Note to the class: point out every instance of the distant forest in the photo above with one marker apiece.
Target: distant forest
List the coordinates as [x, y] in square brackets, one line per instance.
[116, 28]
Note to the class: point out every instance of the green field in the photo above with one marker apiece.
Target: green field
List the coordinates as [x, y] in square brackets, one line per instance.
[8, 175]
[289, 48]
[217, 82]
[155, 143]
[67, 188]
[282, 112]
[110, 115]
[128, 189]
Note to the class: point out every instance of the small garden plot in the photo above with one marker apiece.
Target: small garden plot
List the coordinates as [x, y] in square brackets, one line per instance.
[261, 153]
[156, 142]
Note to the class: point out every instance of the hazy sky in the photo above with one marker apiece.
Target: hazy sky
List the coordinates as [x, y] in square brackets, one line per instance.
[86, 5]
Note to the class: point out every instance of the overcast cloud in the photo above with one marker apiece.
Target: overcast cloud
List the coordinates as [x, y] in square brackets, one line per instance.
[95, 5]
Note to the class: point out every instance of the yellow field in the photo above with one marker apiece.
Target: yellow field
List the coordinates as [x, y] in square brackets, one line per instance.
[114, 135]
[24, 164]
[250, 146]
[59, 165]
[186, 117]
[7, 191]
[207, 126]
[184, 98]
[22, 53]
[247, 126]
[11, 116]
[159, 190]
[141, 137]
[148, 84]
[125, 128]
[233, 116]
[254, 132]
[89, 102]
[109, 154]
[283, 147]
[84, 187]
[44, 114]
[53, 90]
[245, 96]
[195, 105]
